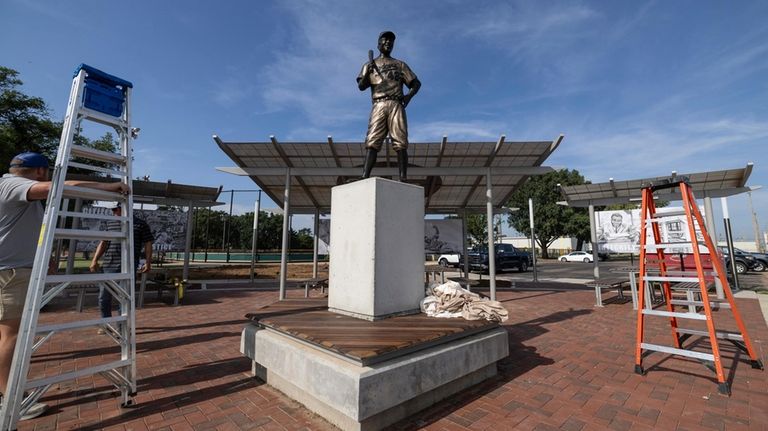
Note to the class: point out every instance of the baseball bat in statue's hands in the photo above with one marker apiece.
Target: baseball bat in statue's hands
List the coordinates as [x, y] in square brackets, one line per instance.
[373, 63]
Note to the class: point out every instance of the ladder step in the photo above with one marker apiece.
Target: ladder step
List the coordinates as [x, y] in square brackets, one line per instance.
[94, 154]
[654, 247]
[92, 216]
[102, 118]
[725, 335]
[681, 352]
[107, 171]
[84, 234]
[713, 303]
[79, 324]
[679, 315]
[92, 194]
[86, 278]
[673, 278]
[52, 380]
[669, 213]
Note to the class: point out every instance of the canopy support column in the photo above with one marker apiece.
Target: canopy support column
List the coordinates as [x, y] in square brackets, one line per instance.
[254, 240]
[595, 265]
[729, 240]
[464, 245]
[316, 242]
[188, 241]
[286, 234]
[710, 221]
[489, 220]
[533, 240]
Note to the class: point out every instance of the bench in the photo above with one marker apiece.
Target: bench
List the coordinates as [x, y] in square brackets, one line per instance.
[618, 283]
[313, 283]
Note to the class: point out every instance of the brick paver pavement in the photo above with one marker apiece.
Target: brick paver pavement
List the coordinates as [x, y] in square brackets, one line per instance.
[570, 368]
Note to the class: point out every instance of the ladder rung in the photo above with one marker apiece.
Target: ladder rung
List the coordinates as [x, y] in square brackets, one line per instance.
[681, 352]
[88, 234]
[98, 169]
[660, 219]
[673, 278]
[658, 214]
[94, 154]
[52, 380]
[693, 316]
[694, 285]
[653, 247]
[87, 278]
[102, 118]
[93, 216]
[725, 335]
[92, 194]
[713, 303]
[80, 324]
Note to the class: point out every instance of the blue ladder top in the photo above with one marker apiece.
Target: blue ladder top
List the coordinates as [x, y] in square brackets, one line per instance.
[103, 77]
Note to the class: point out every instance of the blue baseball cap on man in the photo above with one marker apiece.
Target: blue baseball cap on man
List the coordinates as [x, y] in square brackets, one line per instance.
[29, 160]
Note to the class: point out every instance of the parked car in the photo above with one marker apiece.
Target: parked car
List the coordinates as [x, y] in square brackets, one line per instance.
[743, 262]
[577, 256]
[448, 260]
[507, 257]
[761, 260]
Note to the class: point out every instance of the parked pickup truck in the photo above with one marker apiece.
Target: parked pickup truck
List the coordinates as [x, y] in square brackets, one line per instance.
[507, 257]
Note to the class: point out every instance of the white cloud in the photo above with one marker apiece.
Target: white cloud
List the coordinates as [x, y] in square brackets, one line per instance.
[467, 130]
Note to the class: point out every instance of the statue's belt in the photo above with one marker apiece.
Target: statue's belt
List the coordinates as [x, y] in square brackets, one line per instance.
[385, 98]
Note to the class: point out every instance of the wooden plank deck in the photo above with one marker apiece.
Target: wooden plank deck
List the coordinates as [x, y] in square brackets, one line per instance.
[358, 340]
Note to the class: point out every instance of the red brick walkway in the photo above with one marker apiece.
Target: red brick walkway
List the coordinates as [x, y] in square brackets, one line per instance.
[570, 368]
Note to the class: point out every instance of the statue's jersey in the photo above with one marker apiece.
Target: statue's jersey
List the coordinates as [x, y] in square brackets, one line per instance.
[394, 73]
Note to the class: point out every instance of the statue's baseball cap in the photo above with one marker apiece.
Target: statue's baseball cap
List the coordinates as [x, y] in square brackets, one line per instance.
[29, 160]
[388, 34]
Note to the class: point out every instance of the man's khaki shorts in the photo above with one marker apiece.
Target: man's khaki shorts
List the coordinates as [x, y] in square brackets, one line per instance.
[13, 292]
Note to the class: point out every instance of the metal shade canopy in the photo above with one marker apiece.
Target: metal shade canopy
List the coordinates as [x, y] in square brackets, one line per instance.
[167, 193]
[710, 184]
[452, 173]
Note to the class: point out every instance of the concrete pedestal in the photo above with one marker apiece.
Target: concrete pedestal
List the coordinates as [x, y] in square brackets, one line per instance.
[360, 398]
[377, 258]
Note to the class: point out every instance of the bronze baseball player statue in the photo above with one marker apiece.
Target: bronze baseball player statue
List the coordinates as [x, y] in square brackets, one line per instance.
[386, 76]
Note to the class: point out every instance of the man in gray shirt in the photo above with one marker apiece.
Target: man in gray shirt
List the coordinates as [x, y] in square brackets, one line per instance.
[21, 216]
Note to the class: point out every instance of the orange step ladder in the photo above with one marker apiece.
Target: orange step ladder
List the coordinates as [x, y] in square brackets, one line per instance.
[691, 283]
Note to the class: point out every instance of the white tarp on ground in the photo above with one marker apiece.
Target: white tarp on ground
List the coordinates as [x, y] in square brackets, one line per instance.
[618, 231]
[451, 300]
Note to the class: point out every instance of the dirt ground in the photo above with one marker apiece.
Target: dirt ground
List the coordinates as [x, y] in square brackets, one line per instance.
[263, 271]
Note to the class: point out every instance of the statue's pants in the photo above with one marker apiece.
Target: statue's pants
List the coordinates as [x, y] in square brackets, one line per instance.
[387, 116]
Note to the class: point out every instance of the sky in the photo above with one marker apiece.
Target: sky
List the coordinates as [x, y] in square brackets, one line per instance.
[639, 89]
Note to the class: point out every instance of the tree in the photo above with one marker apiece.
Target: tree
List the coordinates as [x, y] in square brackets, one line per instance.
[551, 220]
[24, 122]
[25, 125]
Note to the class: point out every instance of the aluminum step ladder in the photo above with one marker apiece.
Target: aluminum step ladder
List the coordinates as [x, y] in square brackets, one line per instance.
[691, 283]
[102, 98]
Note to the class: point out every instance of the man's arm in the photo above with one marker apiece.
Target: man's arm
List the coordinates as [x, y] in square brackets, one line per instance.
[100, 249]
[39, 191]
[364, 79]
[147, 257]
[414, 88]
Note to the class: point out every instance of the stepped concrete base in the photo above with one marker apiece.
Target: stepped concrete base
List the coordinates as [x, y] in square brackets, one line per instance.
[359, 398]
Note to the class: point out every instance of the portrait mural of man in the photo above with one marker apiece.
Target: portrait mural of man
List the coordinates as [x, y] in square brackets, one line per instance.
[618, 231]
